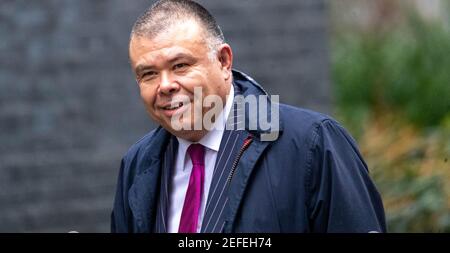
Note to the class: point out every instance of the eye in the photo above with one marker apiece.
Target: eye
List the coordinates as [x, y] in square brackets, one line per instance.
[179, 66]
[149, 74]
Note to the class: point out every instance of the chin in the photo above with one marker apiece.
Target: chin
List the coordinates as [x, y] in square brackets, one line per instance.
[189, 135]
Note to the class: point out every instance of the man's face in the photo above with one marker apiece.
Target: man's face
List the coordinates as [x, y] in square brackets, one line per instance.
[170, 65]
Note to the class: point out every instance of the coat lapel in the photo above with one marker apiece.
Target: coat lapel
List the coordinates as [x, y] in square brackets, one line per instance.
[142, 196]
[239, 182]
[143, 193]
[163, 200]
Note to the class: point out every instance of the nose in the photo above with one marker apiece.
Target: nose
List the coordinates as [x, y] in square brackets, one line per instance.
[168, 86]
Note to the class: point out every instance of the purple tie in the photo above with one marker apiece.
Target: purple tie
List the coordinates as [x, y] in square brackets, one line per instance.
[191, 207]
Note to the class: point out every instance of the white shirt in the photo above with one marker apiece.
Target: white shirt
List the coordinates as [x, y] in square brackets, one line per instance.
[183, 167]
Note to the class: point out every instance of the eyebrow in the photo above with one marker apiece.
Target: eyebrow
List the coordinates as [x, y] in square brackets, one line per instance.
[141, 67]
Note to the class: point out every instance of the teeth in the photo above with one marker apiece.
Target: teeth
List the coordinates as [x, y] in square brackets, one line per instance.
[173, 108]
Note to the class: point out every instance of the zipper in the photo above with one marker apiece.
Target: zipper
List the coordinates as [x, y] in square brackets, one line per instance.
[247, 142]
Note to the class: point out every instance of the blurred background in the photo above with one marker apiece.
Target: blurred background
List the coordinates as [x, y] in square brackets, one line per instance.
[70, 108]
[391, 81]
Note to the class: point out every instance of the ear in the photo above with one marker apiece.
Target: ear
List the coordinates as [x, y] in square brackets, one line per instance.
[225, 55]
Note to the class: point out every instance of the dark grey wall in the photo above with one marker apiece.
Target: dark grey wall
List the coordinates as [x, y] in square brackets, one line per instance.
[69, 107]
[282, 44]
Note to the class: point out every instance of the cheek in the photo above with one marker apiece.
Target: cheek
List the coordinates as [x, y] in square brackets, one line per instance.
[148, 96]
[214, 76]
[197, 77]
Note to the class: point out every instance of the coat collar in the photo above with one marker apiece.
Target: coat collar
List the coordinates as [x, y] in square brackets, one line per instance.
[247, 86]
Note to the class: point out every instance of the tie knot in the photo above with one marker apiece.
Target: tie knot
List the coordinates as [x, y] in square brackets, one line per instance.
[197, 153]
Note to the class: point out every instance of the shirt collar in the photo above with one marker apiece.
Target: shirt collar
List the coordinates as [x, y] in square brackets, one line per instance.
[213, 138]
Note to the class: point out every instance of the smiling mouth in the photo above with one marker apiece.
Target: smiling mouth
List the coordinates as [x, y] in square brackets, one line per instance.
[173, 107]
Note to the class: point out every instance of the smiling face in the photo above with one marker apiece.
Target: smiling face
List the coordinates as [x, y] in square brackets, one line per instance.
[170, 65]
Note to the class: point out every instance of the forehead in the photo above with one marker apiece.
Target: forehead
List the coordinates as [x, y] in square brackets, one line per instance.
[182, 37]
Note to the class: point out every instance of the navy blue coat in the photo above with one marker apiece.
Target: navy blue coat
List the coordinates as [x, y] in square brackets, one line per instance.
[311, 179]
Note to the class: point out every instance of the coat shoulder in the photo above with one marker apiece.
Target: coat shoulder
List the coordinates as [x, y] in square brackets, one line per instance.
[301, 121]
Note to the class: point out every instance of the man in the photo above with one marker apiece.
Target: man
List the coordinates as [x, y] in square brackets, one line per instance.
[230, 174]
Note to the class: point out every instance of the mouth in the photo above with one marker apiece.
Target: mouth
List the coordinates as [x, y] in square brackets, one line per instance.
[173, 106]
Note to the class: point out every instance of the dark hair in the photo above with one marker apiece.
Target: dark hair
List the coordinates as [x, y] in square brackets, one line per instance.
[165, 13]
